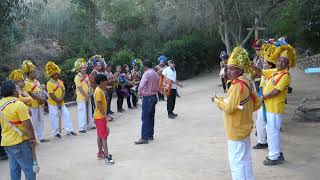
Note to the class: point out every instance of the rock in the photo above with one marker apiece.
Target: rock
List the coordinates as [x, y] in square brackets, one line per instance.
[309, 109]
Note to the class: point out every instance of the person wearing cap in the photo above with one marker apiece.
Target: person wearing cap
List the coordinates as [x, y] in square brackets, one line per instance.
[159, 68]
[148, 89]
[239, 105]
[223, 72]
[266, 52]
[274, 95]
[170, 75]
[81, 80]
[18, 137]
[39, 97]
[57, 108]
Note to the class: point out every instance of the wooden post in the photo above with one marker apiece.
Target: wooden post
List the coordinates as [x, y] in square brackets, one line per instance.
[256, 29]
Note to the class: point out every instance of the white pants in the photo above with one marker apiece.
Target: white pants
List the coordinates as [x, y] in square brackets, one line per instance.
[54, 114]
[84, 114]
[261, 127]
[240, 159]
[273, 133]
[38, 121]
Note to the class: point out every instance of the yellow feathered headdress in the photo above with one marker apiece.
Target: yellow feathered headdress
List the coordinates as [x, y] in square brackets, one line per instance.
[78, 64]
[51, 69]
[267, 52]
[27, 66]
[16, 75]
[240, 58]
[286, 51]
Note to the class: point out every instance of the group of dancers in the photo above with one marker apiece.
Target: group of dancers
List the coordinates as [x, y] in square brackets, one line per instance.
[263, 86]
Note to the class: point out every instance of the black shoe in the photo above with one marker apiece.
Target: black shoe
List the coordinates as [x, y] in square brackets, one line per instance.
[44, 140]
[175, 115]
[270, 162]
[141, 141]
[281, 157]
[170, 116]
[72, 133]
[111, 112]
[150, 139]
[93, 127]
[83, 131]
[260, 146]
[111, 118]
[130, 107]
[58, 136]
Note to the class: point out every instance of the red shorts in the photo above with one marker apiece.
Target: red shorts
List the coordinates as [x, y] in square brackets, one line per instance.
[102, 129]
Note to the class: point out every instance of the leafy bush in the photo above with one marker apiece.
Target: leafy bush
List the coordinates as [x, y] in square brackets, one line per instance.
[68, 78]
[122, 57]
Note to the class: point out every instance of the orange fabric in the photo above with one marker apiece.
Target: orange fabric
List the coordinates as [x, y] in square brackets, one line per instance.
[242, 84]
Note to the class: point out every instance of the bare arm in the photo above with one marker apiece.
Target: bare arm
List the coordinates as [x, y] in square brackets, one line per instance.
[58, 100]
[271, 94]
[99, 106]
[256, 69]
[30, 131]
[83, 93]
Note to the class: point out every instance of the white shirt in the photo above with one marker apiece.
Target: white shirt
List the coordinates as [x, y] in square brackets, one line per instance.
[172, 75]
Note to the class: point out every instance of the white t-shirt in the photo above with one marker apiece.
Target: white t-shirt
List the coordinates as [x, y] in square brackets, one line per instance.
[172, 75]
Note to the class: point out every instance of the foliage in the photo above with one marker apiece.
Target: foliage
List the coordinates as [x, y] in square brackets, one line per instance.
[122, 57]
[68, 78]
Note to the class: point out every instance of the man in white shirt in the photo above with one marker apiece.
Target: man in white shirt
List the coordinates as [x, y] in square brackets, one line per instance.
[171, 74]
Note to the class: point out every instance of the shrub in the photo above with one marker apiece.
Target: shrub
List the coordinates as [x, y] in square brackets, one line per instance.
[122, 57]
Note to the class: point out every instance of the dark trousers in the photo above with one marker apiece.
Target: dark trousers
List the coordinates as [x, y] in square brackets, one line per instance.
[171, 101]
[92, 103]
[160, 96]
[147, 117]
[132, 98]
[109, 98]
[223, 81]
[2, 151]
[120, 98]
[129, 98]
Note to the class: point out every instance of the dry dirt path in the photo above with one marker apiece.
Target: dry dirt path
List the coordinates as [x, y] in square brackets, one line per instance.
[191, 147]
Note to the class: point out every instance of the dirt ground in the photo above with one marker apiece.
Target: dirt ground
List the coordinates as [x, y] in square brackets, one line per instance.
[191, 147]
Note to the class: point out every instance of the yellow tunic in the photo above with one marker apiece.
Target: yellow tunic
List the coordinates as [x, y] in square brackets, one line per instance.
[34, 87]
[57, 88]
[99, 95]
[14, 112]
[238, 123]
[83, 82]
[279, 80]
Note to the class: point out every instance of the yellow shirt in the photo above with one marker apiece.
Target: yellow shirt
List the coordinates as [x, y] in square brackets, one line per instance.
[14, 112]
[262, 82]
[238, 123]
[25, 98]
[279, 80]
[34, 87]
[99, 95]
[83, 82]
[57, 88]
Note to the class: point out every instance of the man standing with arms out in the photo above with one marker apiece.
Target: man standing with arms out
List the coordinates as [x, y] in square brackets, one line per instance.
[148, 89]
[81, 80]
[14, 114]
[34, 89]
[238, 107]
[57, 108]
[274, 95]
[170, 74]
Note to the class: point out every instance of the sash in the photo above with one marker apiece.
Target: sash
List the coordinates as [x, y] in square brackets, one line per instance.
[57, 85]
[35, 84]
[275, 82]
[242, 84]
[15, 122]
[84, 78]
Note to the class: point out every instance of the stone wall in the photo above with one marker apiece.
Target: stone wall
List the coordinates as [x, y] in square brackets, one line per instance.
[309, 62]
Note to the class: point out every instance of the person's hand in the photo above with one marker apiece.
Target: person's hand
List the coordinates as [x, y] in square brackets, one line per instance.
[262, 98]
[33, 142]
[87, 98]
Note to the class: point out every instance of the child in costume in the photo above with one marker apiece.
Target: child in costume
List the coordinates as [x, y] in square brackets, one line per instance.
[81, 80]
[58, 112]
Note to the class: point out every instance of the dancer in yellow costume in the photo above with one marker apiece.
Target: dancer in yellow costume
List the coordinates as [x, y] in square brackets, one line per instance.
[238, 107]
[57, 108]
[85, 118]
[274, 94]
[34, 89]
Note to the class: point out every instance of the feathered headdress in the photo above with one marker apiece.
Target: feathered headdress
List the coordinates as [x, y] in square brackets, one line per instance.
[51, 69]
[16, 75]
[78, 64]
[267, 50]
[240, 58]
[286, 51]
[94, 60]
[27, 66]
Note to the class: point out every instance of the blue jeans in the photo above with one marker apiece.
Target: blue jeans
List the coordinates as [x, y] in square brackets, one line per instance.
[148, 111]
[20, 157]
